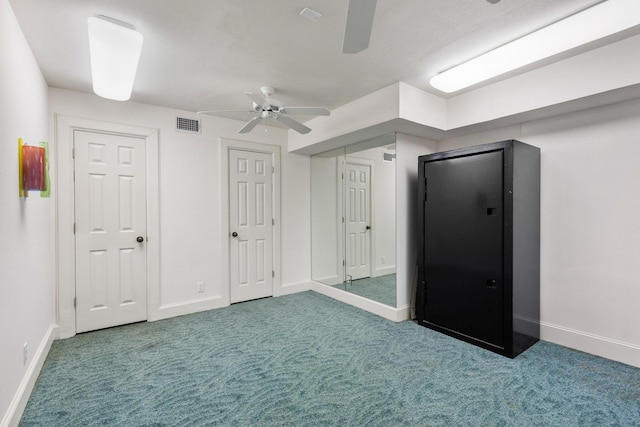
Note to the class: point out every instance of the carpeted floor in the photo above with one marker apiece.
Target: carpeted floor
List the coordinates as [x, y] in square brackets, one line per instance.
[380, 288]
[308, 360]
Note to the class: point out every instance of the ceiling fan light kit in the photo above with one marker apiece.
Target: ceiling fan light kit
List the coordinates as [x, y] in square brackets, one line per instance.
[266, 108]
[591, 24]
[114, 49]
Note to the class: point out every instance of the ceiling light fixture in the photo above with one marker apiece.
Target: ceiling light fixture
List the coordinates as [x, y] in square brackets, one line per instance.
[596, 22]
[115, 49]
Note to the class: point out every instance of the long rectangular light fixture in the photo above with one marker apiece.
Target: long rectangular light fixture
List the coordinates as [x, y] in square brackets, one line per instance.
[115, 49]
[596, 22]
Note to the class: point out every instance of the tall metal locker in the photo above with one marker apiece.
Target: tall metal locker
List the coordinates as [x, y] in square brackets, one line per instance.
[479, 245]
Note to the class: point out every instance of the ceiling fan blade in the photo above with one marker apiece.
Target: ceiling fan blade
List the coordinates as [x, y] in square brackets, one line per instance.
[258, 99]
[214, 112]
[251, 124]
[359, 23]
[309, 111]
[293, 124]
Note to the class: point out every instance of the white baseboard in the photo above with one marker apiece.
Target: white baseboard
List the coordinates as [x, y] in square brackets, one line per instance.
[21, 398]
[187, 307]
[383, 271]
[593, 344]
[329, 280]
[382, 310]
[292, 288]
[211, 303]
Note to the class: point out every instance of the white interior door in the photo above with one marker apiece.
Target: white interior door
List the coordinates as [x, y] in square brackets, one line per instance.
[250, 225]
[358, 221]
[110, 224]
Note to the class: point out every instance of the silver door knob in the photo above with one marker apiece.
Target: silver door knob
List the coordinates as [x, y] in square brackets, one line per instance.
[139, 239]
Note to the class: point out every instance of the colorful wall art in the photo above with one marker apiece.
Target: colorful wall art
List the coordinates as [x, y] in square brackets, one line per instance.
[33, 169]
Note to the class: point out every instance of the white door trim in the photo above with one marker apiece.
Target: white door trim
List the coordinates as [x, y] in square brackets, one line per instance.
[227, 144]
[65, 126]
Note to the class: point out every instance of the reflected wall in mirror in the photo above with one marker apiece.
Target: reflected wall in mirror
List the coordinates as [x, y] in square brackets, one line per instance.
[353, 224]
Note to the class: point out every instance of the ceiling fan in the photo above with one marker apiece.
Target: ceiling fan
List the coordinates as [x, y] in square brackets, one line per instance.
[359, 23]
[266, 107]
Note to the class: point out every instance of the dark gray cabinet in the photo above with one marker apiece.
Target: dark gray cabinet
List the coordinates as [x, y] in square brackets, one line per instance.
[479, 245]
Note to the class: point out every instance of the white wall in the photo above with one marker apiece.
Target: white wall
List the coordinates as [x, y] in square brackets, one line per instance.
[408, 149]
[26, 226]
[190, 209]
[590, 228]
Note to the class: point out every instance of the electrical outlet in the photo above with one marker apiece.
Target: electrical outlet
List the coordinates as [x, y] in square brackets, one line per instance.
[200, 287]
[25, 353]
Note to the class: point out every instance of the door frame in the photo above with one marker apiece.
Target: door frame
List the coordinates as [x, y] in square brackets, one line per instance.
[65, 264]
[227, 144]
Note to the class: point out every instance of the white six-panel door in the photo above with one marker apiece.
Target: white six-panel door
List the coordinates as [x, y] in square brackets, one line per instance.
[110, 218]
[250, 225]
[358, 220]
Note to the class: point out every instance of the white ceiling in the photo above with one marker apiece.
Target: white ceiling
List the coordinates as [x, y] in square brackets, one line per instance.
[203, 54]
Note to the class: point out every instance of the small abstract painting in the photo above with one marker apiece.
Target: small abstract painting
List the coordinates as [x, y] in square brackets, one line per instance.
[33, 169]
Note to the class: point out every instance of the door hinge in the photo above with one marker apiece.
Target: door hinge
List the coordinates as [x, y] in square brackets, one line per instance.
[273, 273]
[74, 302]
[273, 169]
[74, 228]
[73, 153]
[273, 221]
[343, 263]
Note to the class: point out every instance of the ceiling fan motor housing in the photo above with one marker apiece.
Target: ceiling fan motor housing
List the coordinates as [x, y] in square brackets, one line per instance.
[261, 108]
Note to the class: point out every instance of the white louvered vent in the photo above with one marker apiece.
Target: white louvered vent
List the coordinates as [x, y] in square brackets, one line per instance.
[184, 124]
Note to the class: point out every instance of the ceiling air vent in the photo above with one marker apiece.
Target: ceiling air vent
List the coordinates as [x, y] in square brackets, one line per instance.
[184, 124]
[388, 157]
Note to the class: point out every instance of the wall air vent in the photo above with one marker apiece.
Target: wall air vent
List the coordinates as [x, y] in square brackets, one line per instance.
[184, 124]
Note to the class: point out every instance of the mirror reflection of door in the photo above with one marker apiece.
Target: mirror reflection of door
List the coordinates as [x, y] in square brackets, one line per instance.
[341, 245]
[358, 220]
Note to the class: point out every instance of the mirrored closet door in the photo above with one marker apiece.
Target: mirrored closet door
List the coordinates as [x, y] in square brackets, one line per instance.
[353, 224]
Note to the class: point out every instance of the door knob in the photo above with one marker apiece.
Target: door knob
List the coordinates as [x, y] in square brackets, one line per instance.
[368, 227]
[234, 234]
[139, 239]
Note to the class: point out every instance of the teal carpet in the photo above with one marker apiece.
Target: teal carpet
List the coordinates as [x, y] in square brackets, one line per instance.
[308, 360]
[380, 288]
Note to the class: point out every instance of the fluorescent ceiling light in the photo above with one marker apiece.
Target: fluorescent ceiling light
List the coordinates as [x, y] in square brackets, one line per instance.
[115, 50]
[596, 22]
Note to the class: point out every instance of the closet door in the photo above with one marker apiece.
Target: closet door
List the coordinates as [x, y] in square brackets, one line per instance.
[463, 245]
